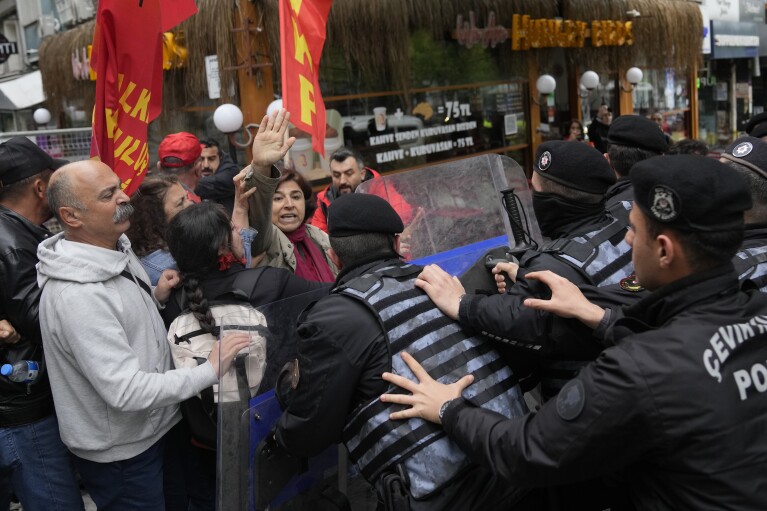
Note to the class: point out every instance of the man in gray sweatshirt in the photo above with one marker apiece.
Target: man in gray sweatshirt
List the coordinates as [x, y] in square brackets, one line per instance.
[115, 393]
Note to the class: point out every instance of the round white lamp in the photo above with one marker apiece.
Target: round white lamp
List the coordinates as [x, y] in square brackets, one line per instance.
[590, 80]
[42, 116]
[546, 84]
[634, 75]
[274, 106]
[228, 118]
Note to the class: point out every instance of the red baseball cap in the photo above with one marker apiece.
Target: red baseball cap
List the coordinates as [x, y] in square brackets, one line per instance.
[179, 150]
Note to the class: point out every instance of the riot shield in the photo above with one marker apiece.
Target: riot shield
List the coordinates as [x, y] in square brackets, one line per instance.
[455, 212]
[250, 478]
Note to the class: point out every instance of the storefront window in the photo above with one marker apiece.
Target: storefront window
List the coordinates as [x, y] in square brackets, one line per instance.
[432, 124]
[452, 102]
[724, 95]
[665, 95]
[555, 108]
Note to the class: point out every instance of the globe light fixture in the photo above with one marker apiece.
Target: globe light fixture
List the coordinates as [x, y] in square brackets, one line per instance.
[633, 76]
[545, 84]
[228, 119]
[42, 116]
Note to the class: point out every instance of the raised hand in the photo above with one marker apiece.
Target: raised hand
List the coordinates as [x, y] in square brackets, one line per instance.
[270, 143]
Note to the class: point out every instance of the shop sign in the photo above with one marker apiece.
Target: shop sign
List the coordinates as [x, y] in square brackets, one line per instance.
[725, 10]
[468, 34]
[555, 33]
[7, 49]
[438, 126]
[734, 40]
[752, 10]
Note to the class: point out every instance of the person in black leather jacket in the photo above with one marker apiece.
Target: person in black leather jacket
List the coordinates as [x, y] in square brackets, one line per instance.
[34, 462]
[677, 404]
[217, 183]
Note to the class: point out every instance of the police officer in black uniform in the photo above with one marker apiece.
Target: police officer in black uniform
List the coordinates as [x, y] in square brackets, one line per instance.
[349, 338]
[632, 138]
[587, 246]
[747, 156]
[757, 126]
[678, 403]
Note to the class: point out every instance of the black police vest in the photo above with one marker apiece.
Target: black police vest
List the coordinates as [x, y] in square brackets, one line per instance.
[751, 263]
[419, 450]
[603, 253]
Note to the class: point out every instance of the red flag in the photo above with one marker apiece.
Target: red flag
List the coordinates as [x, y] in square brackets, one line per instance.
[302, 36]
[127, 59]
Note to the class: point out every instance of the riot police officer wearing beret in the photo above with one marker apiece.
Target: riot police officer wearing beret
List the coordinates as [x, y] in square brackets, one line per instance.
[631, 138]
[347, 339]
[678, 403]
[747, 156]
[757, 126]
[586, 246]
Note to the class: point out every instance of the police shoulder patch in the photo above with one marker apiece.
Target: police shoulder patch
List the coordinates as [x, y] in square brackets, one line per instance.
[665, 205]
[630, 284]
[571, 400]
[544, 162]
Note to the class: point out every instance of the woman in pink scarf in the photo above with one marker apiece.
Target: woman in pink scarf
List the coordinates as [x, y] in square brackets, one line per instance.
[280, 206]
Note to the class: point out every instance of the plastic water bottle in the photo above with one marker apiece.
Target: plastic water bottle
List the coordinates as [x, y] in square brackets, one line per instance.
[24, 371]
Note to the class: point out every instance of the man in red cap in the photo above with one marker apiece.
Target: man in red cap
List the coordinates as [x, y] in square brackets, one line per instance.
[179, 155]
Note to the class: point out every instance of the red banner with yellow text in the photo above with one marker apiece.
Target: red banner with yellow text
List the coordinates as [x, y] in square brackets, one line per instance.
[127, 58]
[302, 36]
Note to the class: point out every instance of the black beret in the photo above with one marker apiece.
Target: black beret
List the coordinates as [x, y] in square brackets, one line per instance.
[575, 165]
[20, 158]
[757, 125]
[637, 131]
[690, 193]
[750, 152]
[359, 213]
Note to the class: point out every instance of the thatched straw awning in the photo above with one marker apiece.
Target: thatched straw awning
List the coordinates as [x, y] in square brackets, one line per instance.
[668, 33]
[373, 34]
[374, 37]
[206, 33]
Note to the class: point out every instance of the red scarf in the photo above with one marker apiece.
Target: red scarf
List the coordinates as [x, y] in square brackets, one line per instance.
[225, 261]
[313, 266]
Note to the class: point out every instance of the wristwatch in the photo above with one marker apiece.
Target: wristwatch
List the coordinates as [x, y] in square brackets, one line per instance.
[443, 408]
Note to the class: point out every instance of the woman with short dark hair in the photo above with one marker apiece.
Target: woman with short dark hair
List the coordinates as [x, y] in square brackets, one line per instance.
[156, 202]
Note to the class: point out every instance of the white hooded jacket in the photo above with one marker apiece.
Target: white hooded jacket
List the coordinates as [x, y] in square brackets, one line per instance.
[106, 351]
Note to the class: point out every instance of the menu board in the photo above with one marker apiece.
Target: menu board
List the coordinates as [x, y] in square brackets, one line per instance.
[392, 132]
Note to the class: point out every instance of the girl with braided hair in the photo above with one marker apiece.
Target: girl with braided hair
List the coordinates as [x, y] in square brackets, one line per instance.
[210, 255]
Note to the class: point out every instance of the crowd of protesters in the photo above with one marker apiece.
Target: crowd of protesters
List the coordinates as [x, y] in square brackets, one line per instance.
[641, 318]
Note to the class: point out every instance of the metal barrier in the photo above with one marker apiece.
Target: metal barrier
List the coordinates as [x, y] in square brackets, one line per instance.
[71, 144]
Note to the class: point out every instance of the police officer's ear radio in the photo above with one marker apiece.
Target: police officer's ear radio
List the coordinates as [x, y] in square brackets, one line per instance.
[520, 223]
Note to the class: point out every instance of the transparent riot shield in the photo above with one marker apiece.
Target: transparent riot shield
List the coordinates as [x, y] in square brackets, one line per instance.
[456, 212]
[248, 410]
